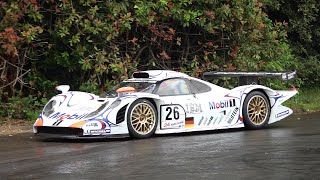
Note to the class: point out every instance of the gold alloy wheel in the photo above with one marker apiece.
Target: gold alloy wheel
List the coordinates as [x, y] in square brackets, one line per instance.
[143, 118]
[257, 110]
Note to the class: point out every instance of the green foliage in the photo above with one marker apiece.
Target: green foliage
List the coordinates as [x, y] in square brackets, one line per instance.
[303, 28]
[89, 86]
[93, 45]
[309, 70]
[107, 40]
[23, 108]
[44, 87]
[306, 100]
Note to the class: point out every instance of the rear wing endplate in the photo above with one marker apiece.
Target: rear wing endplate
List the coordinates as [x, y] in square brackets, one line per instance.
[246, 78]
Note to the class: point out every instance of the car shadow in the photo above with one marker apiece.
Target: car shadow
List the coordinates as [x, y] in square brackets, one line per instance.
[127, 138]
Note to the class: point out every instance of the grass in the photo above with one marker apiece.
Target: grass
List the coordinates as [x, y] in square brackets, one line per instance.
[308, 99]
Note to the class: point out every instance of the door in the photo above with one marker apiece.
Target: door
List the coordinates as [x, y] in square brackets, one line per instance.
[177, 104]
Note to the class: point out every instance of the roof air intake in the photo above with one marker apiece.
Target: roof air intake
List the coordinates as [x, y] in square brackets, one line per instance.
[140, 75]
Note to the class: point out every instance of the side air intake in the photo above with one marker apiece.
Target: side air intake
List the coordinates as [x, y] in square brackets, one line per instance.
[121, 114]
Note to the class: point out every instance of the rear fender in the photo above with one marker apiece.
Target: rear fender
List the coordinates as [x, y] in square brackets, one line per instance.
[278, 111]
[276, 98]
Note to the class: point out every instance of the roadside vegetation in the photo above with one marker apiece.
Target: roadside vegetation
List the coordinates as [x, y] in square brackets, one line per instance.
[306, 101]
[92, 45]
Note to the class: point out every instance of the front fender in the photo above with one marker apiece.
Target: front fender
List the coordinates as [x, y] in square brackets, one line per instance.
[127, 100]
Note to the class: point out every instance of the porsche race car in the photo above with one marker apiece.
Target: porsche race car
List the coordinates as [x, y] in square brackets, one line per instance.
[162, 102]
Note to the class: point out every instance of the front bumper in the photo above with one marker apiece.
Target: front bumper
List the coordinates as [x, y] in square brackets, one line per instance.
[73, 133]
[63, 131]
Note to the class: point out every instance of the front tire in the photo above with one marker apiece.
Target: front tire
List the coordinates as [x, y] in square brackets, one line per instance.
[142, 119]
[256, 110]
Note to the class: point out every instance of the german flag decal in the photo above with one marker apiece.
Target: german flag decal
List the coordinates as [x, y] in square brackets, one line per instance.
[189, 122]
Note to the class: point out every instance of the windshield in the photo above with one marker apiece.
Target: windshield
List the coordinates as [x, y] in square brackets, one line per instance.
[146, 87]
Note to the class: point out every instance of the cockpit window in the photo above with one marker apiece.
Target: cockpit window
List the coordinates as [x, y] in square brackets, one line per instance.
[173, 87]
[146, 87]
[199, 87]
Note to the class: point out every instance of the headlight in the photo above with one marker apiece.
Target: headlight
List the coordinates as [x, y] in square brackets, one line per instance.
[96, 112]
[115, 104]
[49, 108]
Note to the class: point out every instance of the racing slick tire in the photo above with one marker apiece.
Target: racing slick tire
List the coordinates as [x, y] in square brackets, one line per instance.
[256, 110]
[142, 119]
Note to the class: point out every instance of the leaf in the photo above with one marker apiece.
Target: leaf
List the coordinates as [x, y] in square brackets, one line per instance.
[171, 31]
[134, 40]
[164, 55]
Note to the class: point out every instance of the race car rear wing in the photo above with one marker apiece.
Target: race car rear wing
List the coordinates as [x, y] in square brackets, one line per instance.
[246, 78]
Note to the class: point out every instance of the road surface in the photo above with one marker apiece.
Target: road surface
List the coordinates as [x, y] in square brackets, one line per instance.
[289, 149]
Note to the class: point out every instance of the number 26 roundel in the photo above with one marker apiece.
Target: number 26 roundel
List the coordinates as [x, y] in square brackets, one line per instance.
[172, 116]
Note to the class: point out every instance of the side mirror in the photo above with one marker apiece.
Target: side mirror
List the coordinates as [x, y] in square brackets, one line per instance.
[63, 88]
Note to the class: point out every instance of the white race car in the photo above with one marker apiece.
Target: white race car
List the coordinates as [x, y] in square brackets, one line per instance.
[162, 102]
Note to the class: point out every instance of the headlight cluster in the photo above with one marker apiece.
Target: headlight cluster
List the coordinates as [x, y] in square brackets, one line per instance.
[49, 108]
[115, 104]
[96, 112]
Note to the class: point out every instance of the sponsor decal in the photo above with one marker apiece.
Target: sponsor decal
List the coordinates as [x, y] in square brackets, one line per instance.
[205, 121]
[215, 119]
[62, 116]
[211, 118]
[92, 124]
[221, 117]
[224, 112]
[282, 114]
[174, 124]
[100, 131]
[200, 121]
[233, 114]
[222, 104]
[193, 108]
[189, 122]
[291, 75]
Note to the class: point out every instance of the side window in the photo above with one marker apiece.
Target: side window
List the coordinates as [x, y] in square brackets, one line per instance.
[199, 87]
[173, 87]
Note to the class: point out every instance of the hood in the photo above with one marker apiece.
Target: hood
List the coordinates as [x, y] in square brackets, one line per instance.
[74, 105]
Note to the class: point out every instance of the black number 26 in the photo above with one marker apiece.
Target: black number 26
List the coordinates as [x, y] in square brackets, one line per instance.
[175, 113]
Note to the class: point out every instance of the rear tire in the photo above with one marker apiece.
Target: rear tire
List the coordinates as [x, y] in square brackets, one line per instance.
[256, 110]
[142, 119]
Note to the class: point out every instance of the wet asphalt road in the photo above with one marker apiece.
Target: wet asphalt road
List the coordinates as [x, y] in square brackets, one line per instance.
[289, 149]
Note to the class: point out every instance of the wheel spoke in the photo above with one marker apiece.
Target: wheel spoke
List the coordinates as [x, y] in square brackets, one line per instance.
[251, 116]
[145, 108]
[254, 118]
[148, 112]
[134, 123]
[149, 121]
[140, 109]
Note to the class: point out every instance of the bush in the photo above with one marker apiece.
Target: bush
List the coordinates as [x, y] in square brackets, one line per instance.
[308, 70]
[93, 45]
[23, 108]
